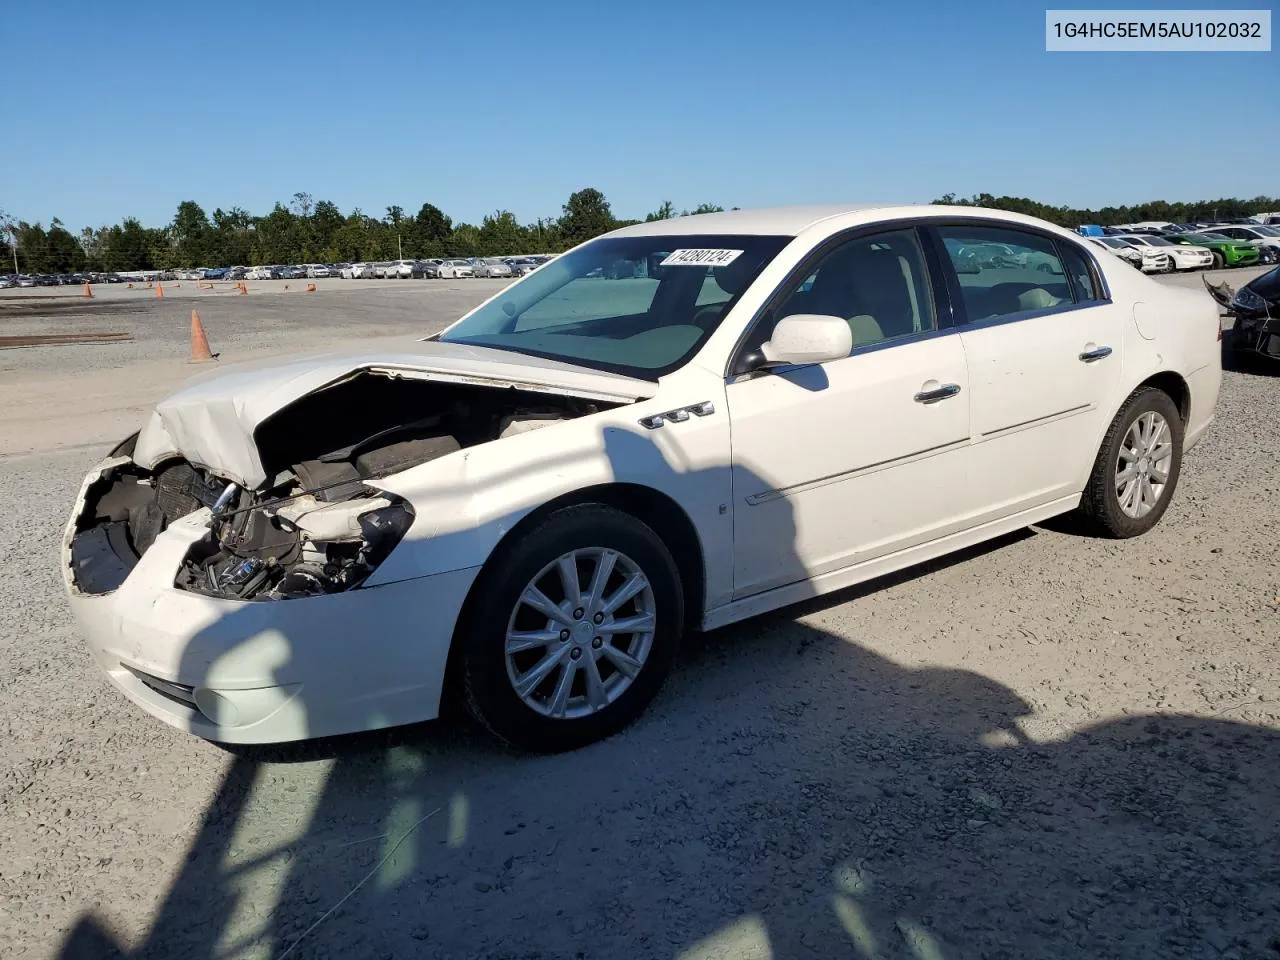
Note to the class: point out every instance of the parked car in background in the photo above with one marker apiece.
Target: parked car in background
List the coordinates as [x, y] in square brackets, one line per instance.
[431, 268]
[1118, 248]
[358, 271]
[452, 269]
[26, 281]
[1181, 256]
[403, 270]
[1259, 236]
[1226, 252]
[521, 266]
[261, 272]
[491, 267]
[1153, 259]
[317, 271]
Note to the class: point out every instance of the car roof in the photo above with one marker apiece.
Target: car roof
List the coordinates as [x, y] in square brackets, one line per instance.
[792, 221]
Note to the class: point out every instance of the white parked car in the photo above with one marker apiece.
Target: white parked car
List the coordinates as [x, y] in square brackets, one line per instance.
[1180, 257]
[1153, 260]
[452, 269]
[1118, 248]
[404, 270]
[260, 273]
[539, 501]
[318, 271]
[358, 271]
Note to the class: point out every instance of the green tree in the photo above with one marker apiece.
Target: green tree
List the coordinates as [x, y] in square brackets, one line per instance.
[501, 234]
[586, 215]
[429, 232]
[191, 234]
[664, 212]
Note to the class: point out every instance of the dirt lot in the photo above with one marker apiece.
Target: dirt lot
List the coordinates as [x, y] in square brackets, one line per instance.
[1049, 747]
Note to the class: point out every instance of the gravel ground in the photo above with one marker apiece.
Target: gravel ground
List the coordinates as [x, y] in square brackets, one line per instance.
[1048, 747]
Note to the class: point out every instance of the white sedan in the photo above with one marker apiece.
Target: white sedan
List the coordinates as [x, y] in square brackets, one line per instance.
[453, 269]
[529, 509]
[1180, 257]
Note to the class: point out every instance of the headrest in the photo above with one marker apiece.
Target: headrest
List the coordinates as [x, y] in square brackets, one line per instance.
[732, 278]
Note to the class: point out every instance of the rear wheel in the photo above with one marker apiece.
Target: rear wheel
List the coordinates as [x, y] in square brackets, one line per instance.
[1137, 468]
[572, 630]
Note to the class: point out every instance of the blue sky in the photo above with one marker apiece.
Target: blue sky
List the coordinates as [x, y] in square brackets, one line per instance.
[127, 109]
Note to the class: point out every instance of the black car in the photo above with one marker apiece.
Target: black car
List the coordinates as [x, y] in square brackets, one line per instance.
[1256, 308]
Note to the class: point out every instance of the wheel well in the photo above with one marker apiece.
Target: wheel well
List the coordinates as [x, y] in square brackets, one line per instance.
[1177, 389]
[658, 511]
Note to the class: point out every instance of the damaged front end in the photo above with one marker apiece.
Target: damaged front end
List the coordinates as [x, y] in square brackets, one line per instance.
[315, 526]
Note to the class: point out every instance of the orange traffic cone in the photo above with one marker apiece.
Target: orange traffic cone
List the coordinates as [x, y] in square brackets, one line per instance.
[243, 288]
[131, 286]
[87, 291]
[199, 342]
[159, 289]
[311, 288]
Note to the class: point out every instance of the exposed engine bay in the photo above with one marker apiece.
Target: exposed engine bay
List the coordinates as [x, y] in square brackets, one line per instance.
[313, 527]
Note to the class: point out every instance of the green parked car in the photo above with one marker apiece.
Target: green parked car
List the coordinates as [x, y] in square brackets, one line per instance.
[1226, 252]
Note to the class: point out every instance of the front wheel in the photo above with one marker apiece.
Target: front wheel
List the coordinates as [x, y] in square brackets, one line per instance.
[571, 630]
[1218, 260]
[1137, 469]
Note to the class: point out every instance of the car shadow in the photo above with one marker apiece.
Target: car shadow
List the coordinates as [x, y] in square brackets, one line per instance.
[791, 793]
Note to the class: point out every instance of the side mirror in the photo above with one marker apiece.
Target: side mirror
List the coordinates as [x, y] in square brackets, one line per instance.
[808, 338]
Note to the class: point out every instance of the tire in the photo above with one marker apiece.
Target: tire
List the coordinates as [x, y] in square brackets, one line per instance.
[1101, 506]
[540, 719]
[1218, 261]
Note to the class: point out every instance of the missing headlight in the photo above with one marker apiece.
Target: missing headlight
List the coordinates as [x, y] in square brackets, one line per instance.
[293, 548]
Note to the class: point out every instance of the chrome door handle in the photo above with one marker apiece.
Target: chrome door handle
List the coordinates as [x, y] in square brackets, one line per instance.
[1097, 353]
[941, 393]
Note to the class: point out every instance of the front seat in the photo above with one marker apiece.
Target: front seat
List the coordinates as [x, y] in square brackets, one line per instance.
[867, 288]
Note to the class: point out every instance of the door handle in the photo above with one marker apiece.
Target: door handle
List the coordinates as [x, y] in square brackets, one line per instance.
[1097, 353]
[941, 393]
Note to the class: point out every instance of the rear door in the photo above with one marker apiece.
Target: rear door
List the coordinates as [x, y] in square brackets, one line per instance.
[1043, 345]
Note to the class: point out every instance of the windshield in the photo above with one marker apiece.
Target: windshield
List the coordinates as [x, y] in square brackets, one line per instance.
[1216, 237]
[635, 305]
[1266, 231]
[1112, 242]
[1158, 241]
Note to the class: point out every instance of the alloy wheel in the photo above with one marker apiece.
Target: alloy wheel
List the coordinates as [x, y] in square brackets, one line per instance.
[1142, 467]
[580, 633]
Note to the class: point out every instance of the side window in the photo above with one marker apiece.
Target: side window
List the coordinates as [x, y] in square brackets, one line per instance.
[877, 283]
[1003, 271]
[1081, 276]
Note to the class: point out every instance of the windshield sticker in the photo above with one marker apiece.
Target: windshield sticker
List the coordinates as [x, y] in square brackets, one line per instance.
[701, 258]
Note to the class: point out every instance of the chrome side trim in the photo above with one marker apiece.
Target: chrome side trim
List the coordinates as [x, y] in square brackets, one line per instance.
[765, 496]
[1037, 421]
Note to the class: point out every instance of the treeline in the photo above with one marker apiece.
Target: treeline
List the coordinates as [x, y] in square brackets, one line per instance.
[309, 231]
[305, 231]
[1225, 209]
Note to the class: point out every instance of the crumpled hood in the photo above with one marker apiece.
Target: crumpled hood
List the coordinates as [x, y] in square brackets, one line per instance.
[211, 420]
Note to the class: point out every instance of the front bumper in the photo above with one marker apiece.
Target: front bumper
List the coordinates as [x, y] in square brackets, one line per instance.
[276, 670]
[1158, 264]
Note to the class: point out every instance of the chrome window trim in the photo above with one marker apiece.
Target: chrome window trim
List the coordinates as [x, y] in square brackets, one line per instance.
[1022, 315]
